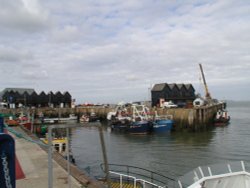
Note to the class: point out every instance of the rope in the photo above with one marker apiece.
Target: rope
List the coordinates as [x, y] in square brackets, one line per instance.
[19, 135]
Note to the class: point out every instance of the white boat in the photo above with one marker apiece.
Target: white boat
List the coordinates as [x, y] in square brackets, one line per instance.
[221, 118]
[231, 175]
[120, 113]
[72, 117]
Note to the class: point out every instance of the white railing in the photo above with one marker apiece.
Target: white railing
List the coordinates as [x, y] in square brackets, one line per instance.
[201, 174]
[142, 182]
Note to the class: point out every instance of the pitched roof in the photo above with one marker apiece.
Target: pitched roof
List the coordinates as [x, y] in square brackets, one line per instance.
[171, 86]
[188, 86]
[158, 87]
[19, 90]
[179, 86]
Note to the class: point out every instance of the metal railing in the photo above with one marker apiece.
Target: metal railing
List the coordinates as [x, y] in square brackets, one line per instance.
[142, 183]
[141, 174]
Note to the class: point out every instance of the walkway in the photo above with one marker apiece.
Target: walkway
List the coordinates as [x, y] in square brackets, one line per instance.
[34, 163]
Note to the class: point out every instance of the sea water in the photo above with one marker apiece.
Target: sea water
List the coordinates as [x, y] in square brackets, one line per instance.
[172, 154]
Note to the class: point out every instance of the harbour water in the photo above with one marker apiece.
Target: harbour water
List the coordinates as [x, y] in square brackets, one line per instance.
[172, 154]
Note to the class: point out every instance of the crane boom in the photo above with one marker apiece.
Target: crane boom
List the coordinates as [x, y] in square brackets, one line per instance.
[208, 96]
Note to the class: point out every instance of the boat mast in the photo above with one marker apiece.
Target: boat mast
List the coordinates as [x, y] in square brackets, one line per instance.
[207, 94]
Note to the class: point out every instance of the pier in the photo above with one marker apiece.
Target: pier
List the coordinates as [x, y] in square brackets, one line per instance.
[194, 119]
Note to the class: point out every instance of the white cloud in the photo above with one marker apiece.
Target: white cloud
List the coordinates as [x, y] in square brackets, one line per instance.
[66, 34]
[22, 15]
[114, 50]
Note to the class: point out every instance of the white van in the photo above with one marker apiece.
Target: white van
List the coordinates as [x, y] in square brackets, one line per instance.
[169, 104]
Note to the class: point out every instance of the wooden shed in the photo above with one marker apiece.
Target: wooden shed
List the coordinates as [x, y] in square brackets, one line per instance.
[180, 94]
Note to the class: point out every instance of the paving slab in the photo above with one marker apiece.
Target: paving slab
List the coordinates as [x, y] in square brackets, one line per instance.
[34, 163]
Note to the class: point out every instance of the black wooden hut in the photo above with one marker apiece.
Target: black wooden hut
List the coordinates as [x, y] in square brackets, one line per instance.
[59, 98]
[34, 99]
[28, 97]
[177, 93]
[67, 99]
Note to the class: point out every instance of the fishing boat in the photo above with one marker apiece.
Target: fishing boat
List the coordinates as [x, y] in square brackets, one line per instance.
[120, 111]
[222, 118]
[93, 117]
[140, 123]
[85, 118]
[119, 119]
[162, 124]
[120, 124]
[140, 127]
[12, 121]
[60, 145]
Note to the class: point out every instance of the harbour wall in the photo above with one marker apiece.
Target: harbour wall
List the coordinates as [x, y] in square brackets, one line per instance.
[194, 119]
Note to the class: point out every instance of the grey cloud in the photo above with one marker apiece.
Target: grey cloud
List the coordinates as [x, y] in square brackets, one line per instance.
[23, 15]
[13, 55]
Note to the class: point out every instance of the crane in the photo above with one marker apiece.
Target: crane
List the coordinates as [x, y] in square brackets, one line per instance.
[207, 94]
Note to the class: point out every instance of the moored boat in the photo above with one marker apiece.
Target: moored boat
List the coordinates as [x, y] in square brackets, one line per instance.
[140, 127]
[84, 118]
[222, 118]
[162, 124]
[71, 118]
[12, 121]
[140, 123]
[119, 119]
[93, 117]
[120, 125]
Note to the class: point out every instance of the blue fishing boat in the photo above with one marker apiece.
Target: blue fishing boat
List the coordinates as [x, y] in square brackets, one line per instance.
[140, 123]
[163, 124]
[120, 125]
[140, 127]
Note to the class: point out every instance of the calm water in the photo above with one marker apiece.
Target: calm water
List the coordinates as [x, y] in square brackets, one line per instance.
[172, 154]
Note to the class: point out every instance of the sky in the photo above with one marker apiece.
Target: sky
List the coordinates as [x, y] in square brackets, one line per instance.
[108, 51]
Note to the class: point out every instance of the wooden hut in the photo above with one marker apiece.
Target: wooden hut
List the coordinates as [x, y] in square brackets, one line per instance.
[180, 94]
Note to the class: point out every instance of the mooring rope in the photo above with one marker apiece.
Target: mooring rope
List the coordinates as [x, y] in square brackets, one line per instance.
[20, 135]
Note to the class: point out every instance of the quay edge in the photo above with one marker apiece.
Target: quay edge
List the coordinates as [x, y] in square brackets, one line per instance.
[193, 119]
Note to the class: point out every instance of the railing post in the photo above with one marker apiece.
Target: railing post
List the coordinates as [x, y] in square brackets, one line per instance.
[50, 156]
[104, 153]
[120, 181]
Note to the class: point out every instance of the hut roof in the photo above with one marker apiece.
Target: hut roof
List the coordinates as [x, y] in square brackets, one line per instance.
[158, 87]
[19, 90]
[171, 86]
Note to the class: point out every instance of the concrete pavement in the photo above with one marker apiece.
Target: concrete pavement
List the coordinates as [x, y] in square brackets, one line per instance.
[34, 163]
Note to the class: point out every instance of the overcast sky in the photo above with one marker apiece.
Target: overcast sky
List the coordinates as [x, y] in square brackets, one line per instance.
[114, 50]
